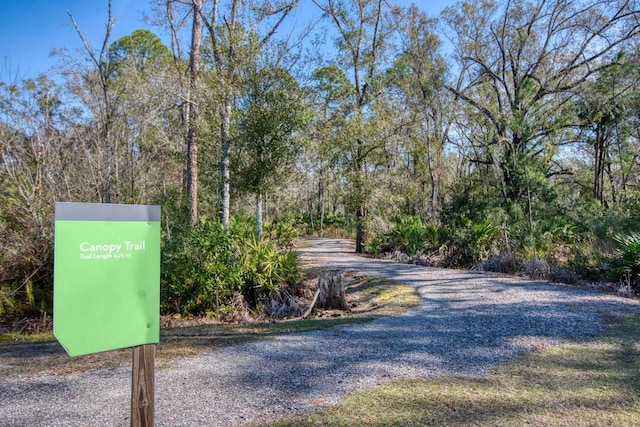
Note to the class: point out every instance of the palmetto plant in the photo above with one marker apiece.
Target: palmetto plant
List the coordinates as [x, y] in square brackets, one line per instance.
[626, 258]
[265, 267]
[411, 235]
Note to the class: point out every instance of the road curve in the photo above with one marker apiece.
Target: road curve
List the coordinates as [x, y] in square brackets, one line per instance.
[466, 323]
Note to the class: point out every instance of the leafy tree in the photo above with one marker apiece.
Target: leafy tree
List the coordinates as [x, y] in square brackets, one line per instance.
[330, 91]
[418, 74]
[147, 124]
[236, 40]
[520, 64]
[142, 49]
[363, 35]
[606, 109]
[271, 117]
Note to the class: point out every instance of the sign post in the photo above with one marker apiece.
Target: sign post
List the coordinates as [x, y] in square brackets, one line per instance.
[143, 385]
[107, 287]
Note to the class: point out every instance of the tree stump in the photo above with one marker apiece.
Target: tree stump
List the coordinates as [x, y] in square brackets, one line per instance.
[331, 294]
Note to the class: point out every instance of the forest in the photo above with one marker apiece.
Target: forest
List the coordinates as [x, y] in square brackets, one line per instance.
[501, 135]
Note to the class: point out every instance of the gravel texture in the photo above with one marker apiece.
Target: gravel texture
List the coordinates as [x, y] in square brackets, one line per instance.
[467, 323]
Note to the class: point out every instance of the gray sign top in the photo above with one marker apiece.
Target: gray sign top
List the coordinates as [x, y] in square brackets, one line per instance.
[105, 212]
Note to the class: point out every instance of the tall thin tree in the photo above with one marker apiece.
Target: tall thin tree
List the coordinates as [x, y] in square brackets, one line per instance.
[192, 110]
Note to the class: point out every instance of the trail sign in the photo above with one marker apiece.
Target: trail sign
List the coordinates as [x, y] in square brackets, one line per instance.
[106, 276]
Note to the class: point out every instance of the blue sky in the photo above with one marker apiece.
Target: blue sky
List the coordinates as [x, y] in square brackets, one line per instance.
[31, 29]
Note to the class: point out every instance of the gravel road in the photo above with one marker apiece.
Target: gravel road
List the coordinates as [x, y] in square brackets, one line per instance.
[467, 323]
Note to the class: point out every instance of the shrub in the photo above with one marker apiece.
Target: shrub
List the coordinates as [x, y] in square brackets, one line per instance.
[265, 268]
[504, 262]
[411, 235]
[408, 235]
[585, 258]
[282, 232]
[547, 236]
[26, 267]
[626, 258]
[472, 243]
[8, 303]
[206, 266]
[201, 269]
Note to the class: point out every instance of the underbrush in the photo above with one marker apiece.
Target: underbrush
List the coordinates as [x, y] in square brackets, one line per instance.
[559, 251]
[226, 273]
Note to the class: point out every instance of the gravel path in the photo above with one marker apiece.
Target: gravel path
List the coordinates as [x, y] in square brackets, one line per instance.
[467, 323]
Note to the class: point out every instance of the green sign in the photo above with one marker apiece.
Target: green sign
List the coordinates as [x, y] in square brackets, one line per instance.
[106, 276]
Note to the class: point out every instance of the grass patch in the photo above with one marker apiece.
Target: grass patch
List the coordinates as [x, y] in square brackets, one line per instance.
[12, 337]
[380, 297]
[595, 383]
[401, 297]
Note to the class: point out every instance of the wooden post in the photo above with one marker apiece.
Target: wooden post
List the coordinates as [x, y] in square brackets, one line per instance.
[143, 385]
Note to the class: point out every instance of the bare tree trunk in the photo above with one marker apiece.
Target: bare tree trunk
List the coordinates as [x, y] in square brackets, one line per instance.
[225, 133]
[310, 209]
[259, 216]
[192, 118]
[600, 153]
[265, 208]
[321, 203]
[432, 180]
[360, 229]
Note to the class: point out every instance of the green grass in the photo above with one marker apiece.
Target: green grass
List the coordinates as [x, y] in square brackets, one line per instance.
[595, 383]
[12, 337]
